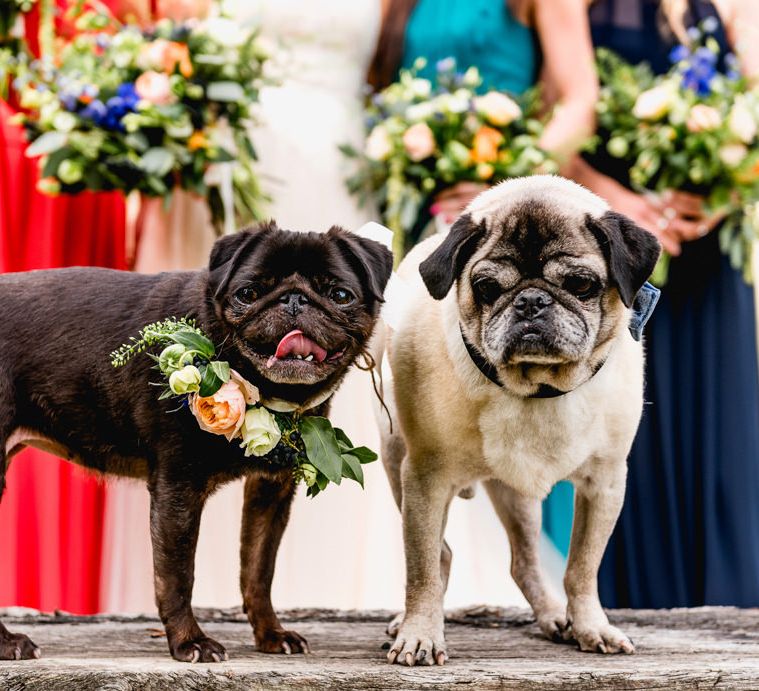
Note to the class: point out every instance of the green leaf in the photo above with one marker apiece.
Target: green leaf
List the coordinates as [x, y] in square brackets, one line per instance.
[194, 341]
[157, 161]
[364, 454]
[322, 449]
[221, 369]
[210, 383]
[352, 469]
[342, 439]
[225, 92]
[46, 144]
[54, 160]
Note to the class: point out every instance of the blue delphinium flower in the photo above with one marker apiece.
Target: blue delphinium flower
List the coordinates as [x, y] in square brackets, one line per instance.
[678, 54]
[95, 111]
[127, 92]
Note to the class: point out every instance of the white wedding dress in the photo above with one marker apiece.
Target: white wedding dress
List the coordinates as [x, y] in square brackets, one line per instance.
[344, 548]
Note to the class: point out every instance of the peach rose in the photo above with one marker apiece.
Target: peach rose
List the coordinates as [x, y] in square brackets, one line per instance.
[224, 411]
[166, 56]
[419, 141]
[703, 118]
[485, 145]
[498, 108]
[155, 88]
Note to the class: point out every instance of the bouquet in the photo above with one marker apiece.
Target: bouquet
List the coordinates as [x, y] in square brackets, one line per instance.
[224, 403]
[693, 128]
[125, 109]
[424, 136]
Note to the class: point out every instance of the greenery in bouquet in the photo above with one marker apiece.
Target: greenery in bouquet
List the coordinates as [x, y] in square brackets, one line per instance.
[224, 403]
[10, 12]
[425, 135]
[693, 129]
[120, 108]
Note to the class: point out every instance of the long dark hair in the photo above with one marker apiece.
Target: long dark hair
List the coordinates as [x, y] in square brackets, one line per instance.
[389, 53]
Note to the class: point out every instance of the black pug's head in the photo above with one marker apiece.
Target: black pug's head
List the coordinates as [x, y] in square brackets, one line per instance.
[298, 307]
[545, 273]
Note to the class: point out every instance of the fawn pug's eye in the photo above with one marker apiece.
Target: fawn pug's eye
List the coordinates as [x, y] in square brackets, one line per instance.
[486, 290]
[341, 296]
[581, 286]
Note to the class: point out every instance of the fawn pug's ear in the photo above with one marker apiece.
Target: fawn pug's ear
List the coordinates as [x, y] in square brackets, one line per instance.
[631, 252]
[441, 269]
[371, 260]
[229, 251]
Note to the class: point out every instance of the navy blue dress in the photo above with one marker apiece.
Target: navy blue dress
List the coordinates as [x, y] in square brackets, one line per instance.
[689, 530]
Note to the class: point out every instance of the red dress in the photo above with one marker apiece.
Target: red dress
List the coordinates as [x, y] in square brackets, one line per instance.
[51, 513]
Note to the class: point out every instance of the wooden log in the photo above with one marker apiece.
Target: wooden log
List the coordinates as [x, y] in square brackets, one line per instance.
[712, 647]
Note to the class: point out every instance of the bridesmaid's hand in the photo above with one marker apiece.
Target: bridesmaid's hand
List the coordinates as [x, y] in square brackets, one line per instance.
[687, 212]
[648, 212]
[452, 201]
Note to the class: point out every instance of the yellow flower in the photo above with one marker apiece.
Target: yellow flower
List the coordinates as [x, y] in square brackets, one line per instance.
[197, 140]
[485, 171]
[485, 145]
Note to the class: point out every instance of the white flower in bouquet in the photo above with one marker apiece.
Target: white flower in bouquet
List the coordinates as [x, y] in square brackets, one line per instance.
[260, 433]
[741, 121]
[185, 380]
[654, 103]
[498, 108]
[732, 155]
[703, 118]
[378, 144]
[421, 88]
[419, 141]
[224, 32]
[471, 78]
[417, 112]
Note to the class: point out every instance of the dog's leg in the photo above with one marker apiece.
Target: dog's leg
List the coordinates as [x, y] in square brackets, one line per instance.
[175, 509]
[265, 514]
[421, 638]
[599, 497]
[521, 517]
[393, 450]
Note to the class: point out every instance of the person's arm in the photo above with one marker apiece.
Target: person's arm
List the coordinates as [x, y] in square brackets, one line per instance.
[568, 72]
[741, 20]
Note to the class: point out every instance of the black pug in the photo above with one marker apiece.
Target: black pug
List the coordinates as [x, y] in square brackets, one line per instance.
[59, 392]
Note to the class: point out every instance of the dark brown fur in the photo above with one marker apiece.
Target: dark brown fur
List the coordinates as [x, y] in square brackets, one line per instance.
[56, 379]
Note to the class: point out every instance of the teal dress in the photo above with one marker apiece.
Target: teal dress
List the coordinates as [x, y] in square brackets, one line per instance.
[485, 34]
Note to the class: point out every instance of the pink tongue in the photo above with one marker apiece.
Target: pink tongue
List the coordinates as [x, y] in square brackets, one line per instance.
[295, 343]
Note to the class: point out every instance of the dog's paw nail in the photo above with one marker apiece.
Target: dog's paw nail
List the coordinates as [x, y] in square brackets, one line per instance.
[286, 648]
[17, 653]
[37, 653]
[195, 655]
[409, 659]
[215, 657]
[441, 658]
[392, 656]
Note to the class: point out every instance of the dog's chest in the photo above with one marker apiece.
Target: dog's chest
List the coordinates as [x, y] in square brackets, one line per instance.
[532, 445]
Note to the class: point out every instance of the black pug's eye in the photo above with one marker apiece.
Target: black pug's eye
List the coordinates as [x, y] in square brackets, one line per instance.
[486, 290]
[246, 295]
[581, 286]
[341, 296]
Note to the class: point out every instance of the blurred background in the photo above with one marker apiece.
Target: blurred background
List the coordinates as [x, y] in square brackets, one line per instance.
[133, 133]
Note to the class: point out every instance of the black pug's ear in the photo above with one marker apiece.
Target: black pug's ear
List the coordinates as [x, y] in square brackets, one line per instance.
[371, 260]
[229, 251]
[631, 252]
[441, 269]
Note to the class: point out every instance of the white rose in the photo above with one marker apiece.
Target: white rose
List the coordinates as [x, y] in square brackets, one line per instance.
[378, 145]
[225, 32]
[260, 432]
[741, 122]
[703, 118]
[185, 380]
[732, 155]
[419, 141]
[654, 103]
[498, 108]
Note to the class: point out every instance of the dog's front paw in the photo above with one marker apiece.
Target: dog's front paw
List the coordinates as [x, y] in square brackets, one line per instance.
[418, 645]
[601, 639]
[281, 641]
[199, 650]
[395, 624]
[17, 646]
[553, 624]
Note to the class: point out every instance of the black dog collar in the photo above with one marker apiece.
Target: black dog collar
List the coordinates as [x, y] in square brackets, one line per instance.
[642, 309]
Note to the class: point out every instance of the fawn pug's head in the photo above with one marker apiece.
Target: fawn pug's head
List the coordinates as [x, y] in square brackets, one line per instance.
[299, 307]
[545, 273]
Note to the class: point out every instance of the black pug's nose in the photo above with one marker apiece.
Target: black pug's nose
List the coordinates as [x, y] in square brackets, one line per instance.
[293, 301]
[531, 303]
